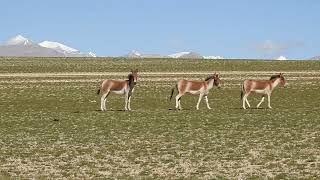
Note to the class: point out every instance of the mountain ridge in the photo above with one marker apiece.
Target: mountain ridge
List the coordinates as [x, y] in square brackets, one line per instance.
[21, 46]
[182, 55]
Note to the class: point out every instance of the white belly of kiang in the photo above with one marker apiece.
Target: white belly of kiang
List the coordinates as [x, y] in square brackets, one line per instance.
[119, 92]
[194, 92]
[260, 91]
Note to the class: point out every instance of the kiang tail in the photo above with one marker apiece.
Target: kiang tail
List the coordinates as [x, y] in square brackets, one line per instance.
[172, 91]
[98, 92]
[242, 91]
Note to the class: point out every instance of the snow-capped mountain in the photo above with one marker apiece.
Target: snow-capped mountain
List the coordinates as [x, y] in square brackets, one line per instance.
[186, 55]
[18, 40]
[213, 57]
[21, 46]
[92, 54]
[178, 55]
[136, 54]
[314, 58]
[181, 55]
[281, 58]
[66, 50]
[58, 47]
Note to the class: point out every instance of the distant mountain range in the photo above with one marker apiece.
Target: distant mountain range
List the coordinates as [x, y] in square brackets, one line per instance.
[315, 58]
[21, 46]
[181, 55]
[136, 54]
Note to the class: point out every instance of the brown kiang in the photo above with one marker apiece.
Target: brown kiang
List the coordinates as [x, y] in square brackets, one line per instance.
[125, 87]
[195, 87]
[264, 87]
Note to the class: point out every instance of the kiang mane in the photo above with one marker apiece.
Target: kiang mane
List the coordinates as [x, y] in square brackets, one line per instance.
[208, 78]
[131, 80]
[130, 77]
[274, 77]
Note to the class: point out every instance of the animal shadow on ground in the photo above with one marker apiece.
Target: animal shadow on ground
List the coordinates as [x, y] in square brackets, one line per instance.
[113, 110]
[174, 109]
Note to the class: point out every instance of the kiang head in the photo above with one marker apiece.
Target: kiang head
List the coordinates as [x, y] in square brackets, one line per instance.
[282, 80]
[280, 77]
[217, 81]
[134, 75]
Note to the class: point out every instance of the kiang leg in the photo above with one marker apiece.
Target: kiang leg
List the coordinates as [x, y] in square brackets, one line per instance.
[178, 98]
[244, 99]
[129, 100]
[103, 101]
[126, 101]
[129, 103]
[247, 102]
[207, 101]
[199, 100]
[269, 99]
[260, 102]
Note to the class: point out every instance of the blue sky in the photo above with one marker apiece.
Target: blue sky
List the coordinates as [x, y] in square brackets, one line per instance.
[228, 28]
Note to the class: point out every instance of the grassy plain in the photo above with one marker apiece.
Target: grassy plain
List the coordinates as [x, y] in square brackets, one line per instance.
[51, 126]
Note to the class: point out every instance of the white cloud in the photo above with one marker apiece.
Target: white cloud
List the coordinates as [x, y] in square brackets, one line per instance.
[274, 48]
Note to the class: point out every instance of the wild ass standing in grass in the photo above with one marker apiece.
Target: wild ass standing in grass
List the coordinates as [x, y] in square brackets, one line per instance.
[195, 87]
[264, 87]
[125, 87]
